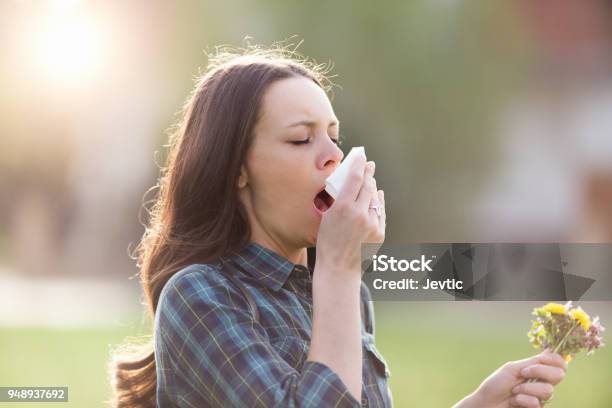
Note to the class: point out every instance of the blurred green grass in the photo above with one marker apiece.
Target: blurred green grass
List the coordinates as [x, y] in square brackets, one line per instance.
[437, 354]
[74, 358]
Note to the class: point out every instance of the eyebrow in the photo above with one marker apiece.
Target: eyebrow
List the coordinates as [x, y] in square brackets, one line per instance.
[311, 123]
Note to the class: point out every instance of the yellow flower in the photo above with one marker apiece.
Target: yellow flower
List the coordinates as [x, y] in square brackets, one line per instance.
[582, 317]
[567, 358]
[555, 308]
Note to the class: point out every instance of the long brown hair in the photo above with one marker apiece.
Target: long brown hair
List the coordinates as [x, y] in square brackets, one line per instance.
[197, 216]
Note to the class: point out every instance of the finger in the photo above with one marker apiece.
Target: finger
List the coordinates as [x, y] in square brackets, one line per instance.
[374, 199]
[374, 208]
[368, 187]
[539, 390]
[354, 180]
[375, 203]
[526, 401]
[383, 217]
[545, 357]
[553, 359]
[549, 374]
[381, 200]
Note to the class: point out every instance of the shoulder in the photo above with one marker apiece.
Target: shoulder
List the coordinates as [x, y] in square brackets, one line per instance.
[195, 277]
[196, 284]
[199, 299]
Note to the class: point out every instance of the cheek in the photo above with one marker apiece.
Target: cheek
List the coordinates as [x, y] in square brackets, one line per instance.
[278, 181]
[281, 178]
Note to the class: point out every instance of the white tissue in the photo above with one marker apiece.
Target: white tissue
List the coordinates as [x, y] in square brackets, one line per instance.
[334, 183]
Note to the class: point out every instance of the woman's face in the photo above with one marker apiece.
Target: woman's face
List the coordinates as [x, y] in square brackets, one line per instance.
[294, 150]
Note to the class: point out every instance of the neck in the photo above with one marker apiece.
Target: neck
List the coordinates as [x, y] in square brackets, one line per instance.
[260, 235]
[296, 255]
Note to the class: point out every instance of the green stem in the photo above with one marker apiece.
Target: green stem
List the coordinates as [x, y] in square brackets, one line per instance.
[564, 339]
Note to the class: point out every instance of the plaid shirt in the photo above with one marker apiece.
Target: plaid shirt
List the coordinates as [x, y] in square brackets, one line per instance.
[210, 350]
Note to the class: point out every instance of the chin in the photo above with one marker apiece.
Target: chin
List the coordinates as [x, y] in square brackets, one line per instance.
[312, 242]
[312, 238]
[310, 231]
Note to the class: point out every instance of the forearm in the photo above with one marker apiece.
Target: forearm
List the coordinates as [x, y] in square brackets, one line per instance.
[336, 327]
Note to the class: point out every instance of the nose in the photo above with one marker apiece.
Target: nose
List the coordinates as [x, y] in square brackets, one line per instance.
[330, 156]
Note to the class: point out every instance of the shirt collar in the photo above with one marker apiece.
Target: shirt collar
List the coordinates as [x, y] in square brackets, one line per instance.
[270, 268]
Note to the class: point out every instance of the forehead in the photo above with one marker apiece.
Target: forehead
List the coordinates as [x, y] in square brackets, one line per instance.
[296, 98]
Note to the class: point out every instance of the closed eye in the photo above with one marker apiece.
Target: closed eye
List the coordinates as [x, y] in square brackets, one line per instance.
[338, 141]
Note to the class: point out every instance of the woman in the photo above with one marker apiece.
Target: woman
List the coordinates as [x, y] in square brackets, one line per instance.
[240, 317]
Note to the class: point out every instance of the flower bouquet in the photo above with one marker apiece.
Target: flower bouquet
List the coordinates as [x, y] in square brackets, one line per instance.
[565, 329]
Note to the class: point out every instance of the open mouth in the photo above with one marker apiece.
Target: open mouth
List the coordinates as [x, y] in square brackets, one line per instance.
[323, 200]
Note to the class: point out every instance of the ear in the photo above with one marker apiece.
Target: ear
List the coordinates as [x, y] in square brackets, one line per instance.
[242, 179]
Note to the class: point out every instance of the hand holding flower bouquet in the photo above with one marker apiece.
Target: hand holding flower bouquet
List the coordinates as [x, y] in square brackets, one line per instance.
[565, 330]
